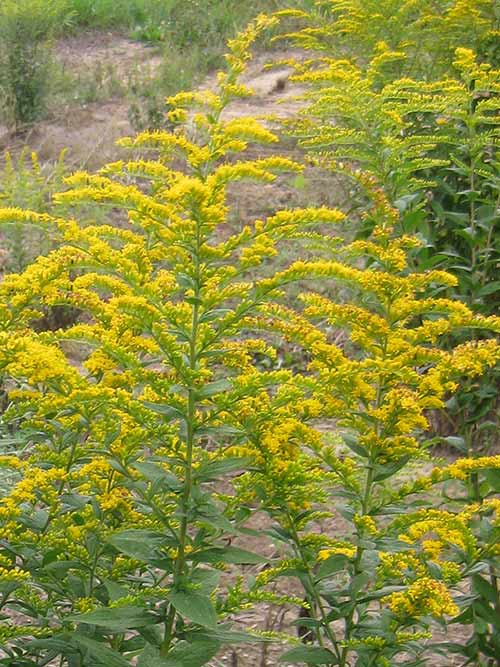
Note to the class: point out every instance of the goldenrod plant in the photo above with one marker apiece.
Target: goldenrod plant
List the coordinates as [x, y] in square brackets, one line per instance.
[113, 533]
[429, 140]
[404, 555]
[155, 436]
[433, 147]
[426, 32]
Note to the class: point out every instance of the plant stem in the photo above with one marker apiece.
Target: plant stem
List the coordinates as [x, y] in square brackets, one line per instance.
[190, 441]
[316, 597]
[349, 622]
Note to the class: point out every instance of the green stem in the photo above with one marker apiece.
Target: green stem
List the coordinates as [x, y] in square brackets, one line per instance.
[316, 597]
[365, 498]
[365, 504]
[190, 442]
[472, 184]
[496, 587]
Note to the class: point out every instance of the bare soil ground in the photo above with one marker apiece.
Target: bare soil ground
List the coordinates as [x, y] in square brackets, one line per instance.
[89, 131]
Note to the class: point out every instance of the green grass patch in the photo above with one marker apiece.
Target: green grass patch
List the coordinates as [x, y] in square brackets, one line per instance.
[183, 21]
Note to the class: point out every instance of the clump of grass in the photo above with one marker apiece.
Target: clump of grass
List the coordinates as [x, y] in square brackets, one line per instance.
[25, 183]
[117, 14]
[186, 21]
[98, 82]
[26, 30]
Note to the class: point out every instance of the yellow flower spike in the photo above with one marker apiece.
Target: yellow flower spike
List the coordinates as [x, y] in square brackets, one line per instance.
[462, 468]
[425, 597]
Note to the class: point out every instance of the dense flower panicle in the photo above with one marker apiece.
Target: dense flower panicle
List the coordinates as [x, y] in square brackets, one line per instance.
[461, 468]
[425, 597]
[164, 300]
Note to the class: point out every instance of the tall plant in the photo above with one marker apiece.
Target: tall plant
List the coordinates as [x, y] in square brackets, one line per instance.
[425, 32]
[405, 555]
[432, 145]
[112, 537]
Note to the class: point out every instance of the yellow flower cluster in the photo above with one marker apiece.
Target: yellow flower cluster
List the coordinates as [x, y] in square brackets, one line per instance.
[424, 597]
[437, 530]
[13, 575]
[345, 550]
[462, 468]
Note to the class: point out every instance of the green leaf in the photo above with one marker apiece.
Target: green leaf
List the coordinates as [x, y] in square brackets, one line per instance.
[331, 565]
[236, 637]
[116, 619]
[358, 583]
[140, 544]
[215, 314]
[193, 655]
[351, 440]
[58, 643]
[456, 442]
[380, 593]
[150, 657]
[311, 655]
[480, 566]
[384, 471]
[206, 580]
[115, 591]
[213, 388]
[75, 500]
[307, 622]
[214, 469]
[155, 473]
[490, 288]
[492, 476]
[61, 568]
[101, 654]
[485, 589]
[166, 410]
[228, 555]
[183, 654]
[195, 607]
[487, 613]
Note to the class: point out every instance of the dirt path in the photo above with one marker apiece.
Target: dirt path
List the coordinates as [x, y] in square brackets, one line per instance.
[89, 131]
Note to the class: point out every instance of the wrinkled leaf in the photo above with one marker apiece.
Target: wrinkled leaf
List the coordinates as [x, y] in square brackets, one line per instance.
[311, 655]
[140, 544]
[228, 555]
[195, 607]
[116, 619]
[101, 654]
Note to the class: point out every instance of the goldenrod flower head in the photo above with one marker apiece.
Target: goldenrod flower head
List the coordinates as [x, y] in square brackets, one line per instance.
[424, 597]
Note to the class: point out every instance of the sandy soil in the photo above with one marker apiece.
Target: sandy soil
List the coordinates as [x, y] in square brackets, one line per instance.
[90, 131]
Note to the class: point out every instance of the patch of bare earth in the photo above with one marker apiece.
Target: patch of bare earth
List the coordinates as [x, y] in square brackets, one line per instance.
[89, 131]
